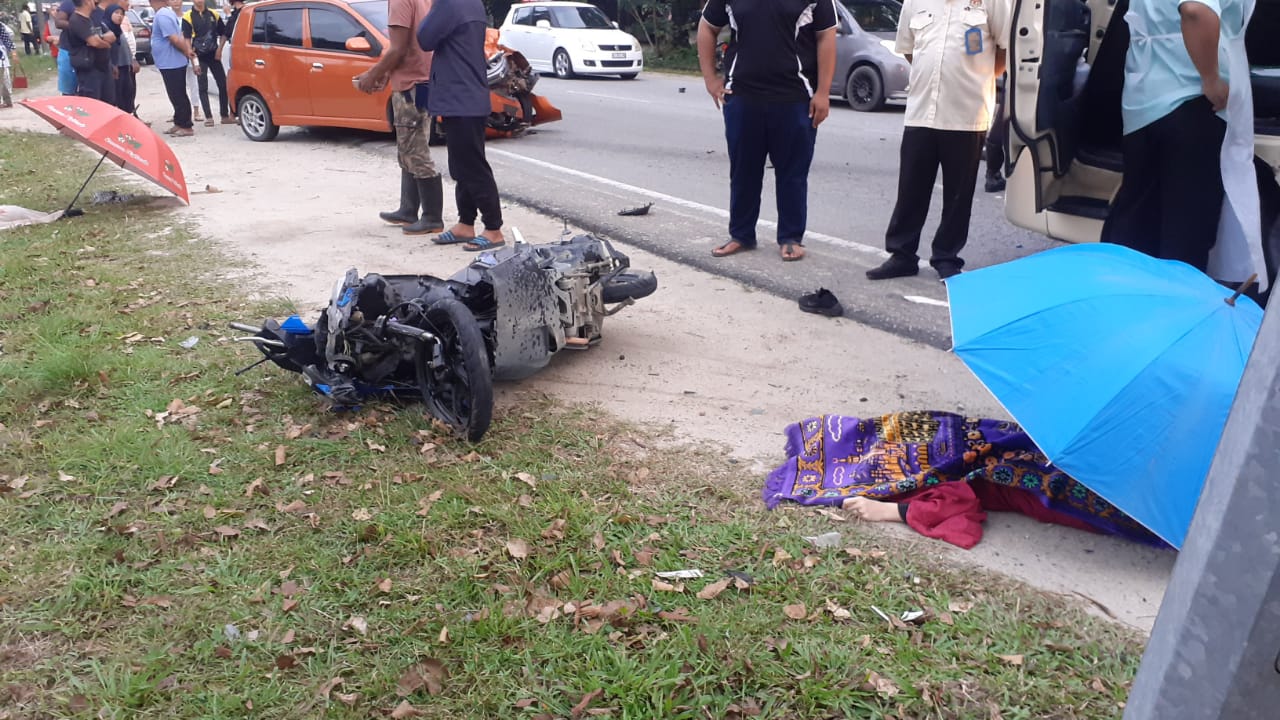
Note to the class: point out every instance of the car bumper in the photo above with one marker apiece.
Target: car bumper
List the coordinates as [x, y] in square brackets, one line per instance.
[608, 63]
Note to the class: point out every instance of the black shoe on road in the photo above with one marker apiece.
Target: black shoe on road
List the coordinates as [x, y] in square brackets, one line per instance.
[822, 302]
[895, 267]
[994, 184]
[947, 271]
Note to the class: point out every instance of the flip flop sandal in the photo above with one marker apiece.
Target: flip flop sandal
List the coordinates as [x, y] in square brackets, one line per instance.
[448, 238]
[791, 252]
[481, 242]
[725, 251]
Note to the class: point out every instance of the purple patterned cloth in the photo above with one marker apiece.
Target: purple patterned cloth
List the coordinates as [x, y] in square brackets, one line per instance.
[891, 457]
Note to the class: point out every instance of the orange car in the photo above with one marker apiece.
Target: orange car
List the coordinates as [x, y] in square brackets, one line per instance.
[292, 63]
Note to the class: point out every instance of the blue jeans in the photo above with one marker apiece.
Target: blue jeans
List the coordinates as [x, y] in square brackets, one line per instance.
[67, 84]
[782, 132]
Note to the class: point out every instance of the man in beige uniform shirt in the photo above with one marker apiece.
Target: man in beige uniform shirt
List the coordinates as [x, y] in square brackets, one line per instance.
[957, 50]
[408, 68]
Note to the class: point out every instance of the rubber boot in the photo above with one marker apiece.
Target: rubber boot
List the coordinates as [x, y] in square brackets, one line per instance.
[431, 193]
[408, 211]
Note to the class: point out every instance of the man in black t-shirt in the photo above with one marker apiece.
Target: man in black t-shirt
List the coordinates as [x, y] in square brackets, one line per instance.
[89, 45]
[774, 94]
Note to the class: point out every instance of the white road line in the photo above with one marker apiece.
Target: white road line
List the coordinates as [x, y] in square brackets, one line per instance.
[681, 202]
[925, 300]
[608, 97]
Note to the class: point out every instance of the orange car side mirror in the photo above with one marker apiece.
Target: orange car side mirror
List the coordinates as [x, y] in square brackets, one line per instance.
[358, 45]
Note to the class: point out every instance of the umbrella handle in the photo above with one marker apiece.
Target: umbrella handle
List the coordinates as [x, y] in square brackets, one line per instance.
[85, 185]
[1240, 290]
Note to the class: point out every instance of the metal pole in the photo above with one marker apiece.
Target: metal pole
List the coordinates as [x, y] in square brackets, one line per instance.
[1214, 652]
[85, 184]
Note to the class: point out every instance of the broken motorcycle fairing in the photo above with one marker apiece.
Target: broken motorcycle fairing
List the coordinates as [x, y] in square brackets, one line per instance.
[444, 341]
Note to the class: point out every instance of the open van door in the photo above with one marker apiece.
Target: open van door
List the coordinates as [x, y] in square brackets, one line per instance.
[1048, 190]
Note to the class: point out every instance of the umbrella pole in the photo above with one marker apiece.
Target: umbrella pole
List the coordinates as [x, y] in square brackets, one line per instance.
[68, 212]
[1240, 291]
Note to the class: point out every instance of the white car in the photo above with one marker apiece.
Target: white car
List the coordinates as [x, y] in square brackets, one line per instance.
[570, 38]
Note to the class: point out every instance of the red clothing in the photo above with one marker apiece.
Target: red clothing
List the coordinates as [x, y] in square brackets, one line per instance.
[954, 511]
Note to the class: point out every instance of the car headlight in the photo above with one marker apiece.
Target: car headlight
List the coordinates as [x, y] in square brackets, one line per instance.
[892, 47]
[588, 44]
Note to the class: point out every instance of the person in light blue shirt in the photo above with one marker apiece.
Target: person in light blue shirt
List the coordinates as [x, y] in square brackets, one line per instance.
[1175, 92]
[171, 53]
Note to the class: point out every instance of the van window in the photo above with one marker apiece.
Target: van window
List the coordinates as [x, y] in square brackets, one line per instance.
[330, 29]
[523, 16]
[278, 27]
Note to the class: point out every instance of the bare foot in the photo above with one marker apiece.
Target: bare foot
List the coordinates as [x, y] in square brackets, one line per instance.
[463, 231]
[870, 510]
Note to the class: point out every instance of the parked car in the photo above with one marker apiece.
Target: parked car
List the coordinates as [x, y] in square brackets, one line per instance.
[571, 38]
[1066, 65]
[142, 35]
[292, 63]
[869, 71]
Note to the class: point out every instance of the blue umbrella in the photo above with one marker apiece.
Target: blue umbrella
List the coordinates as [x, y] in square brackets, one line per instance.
[1121, 367]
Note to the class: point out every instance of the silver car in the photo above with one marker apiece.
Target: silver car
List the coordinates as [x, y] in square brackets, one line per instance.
[868, 71]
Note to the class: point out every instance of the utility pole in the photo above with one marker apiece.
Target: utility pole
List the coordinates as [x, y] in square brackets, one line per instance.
[1214, 652]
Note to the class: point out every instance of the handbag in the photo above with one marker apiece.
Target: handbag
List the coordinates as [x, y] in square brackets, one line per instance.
[19, 81]
[204, 43]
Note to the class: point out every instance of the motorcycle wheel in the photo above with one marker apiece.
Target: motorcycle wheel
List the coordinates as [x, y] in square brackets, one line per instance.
[628, 285]
[459, 389]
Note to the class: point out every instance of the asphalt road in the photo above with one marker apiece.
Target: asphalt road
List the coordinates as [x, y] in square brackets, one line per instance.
[660, 139]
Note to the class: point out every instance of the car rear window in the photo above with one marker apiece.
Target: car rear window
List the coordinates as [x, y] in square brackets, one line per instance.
[881, 17]
[375, 11]
[278, 27]
[580, 17]
[330, 29]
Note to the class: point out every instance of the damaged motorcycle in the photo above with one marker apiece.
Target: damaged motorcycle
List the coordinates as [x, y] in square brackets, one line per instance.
[445, 340]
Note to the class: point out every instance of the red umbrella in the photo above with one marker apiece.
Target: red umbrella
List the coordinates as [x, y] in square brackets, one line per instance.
[117, 135]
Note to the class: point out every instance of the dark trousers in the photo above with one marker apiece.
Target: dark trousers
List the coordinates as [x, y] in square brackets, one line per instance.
[1171, 195]
[958, 152]
[783, 133]
[30, 40]
[92, 83]
[175, 86]
[474, 187]
[997, 138]
[126, 89]
[211, 66]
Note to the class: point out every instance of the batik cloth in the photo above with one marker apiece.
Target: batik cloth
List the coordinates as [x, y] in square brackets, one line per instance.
[901, 456]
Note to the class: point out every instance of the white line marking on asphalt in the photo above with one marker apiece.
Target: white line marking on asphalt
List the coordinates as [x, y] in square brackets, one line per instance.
[690, 204]
[926, 300]
[609, 97]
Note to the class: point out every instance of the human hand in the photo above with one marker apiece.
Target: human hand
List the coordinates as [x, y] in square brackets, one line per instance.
[136, 67]
[217, 54]
[1217, 90]
[367, 83]
[819, 108]
[717, 90]
[115, 73]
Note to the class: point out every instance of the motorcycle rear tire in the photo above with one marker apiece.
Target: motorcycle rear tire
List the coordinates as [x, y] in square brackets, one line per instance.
[460, 394]
[628, 285]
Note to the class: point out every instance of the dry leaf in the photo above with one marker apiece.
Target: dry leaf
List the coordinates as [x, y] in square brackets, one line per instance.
[384, 586]
[258, 486]
[780, 556]
[293, 507]
[279, 455]
[527, 479]
[560, 580]
[664, 586]
[586, 701]
[795, 612]
[116, 509]
[960, 606]
[525, 501]
[328, 687]
[882, 685]
[1097, 685]
[428, 672]
[444, 636]
[712, 591]
[555, 531]
[284, 662]
[357, 623]
[226, 531]
[946, 619]
[597, 541]
[1011, 659]
[361, 514]
[209, 512]
[289, 588]
[518, 548]
[348, 699]
[288, 637]
[222, 652]
[405, 710]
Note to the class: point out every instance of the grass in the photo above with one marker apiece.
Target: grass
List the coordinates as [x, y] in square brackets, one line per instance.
[681, 59]
[38, 69]
[183, 542]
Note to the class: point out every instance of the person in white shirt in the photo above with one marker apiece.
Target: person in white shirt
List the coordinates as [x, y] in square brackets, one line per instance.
[7, 49]
[957, 50]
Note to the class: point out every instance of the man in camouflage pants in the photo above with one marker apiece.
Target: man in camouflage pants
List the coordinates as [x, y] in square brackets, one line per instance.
[408, 69]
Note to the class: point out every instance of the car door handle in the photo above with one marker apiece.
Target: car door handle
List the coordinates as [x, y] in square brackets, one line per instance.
[260, 63]
[317, 66]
